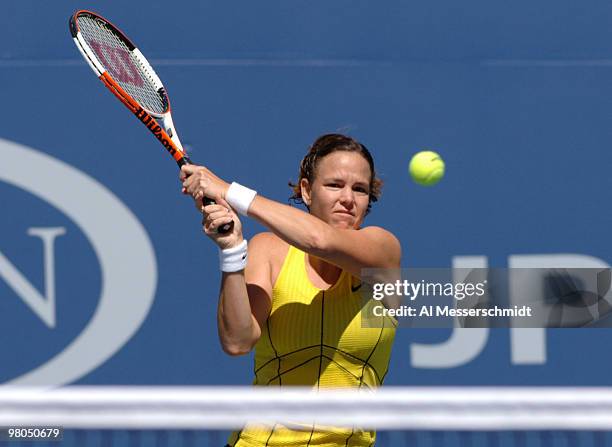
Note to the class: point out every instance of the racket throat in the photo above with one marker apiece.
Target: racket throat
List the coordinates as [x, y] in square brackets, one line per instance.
[166, 122]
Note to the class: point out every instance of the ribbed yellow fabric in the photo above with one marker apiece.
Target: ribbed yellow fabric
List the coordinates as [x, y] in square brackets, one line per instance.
[314, 338]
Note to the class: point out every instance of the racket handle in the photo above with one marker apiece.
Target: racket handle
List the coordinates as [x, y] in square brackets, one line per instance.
[223, 229]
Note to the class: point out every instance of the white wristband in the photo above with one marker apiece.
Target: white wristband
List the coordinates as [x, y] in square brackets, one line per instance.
[233, 259]
[240, 197]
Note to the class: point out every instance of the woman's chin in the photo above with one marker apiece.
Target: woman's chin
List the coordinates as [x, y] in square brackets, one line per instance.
[343, 224]
[342, 221]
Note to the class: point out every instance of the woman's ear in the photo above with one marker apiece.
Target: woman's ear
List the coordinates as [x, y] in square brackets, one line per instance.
[305, 189]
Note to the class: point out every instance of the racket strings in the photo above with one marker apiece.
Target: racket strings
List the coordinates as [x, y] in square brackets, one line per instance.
[146, 70]
[122, 65]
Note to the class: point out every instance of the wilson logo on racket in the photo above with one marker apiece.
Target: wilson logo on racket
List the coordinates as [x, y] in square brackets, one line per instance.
[156, 129]
[120, 59]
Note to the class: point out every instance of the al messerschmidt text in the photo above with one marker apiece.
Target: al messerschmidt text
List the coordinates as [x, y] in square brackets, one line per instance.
[448, 311]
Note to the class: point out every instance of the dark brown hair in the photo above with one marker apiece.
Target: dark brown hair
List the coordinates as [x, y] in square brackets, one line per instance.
[325, 145]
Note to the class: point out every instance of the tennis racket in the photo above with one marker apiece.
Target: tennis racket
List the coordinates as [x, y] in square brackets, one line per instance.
[126, 73]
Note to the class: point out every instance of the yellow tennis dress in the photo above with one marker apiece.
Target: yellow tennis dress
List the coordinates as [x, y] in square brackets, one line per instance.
[315, 338]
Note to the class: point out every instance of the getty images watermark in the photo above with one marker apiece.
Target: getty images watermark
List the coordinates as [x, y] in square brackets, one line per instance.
[478, 298]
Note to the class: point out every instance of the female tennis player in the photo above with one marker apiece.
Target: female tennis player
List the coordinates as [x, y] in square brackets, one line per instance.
[296, 299]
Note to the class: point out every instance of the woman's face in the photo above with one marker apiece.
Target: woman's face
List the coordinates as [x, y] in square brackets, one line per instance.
[340, 191]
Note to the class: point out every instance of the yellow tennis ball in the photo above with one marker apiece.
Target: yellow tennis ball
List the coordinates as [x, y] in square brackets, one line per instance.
[426, 168]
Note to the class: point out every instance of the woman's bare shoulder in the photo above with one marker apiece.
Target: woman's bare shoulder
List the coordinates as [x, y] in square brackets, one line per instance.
[269, 246]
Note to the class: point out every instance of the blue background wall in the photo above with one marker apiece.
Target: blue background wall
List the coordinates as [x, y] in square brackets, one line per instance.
[516, 96]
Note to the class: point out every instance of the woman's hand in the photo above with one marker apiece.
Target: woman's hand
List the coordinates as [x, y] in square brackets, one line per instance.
[199, 182]
[217, 215]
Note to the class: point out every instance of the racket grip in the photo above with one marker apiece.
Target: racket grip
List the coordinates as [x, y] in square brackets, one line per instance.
[223, 229]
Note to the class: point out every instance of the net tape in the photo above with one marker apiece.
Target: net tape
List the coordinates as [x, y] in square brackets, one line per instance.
[390, 408]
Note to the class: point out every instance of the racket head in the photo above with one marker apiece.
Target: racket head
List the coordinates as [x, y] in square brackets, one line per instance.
[116, 60]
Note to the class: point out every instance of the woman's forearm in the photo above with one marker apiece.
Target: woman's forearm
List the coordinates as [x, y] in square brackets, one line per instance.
[238, 329]
[296, 227]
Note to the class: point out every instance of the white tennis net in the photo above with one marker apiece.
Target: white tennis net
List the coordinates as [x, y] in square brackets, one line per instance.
[416, 410]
